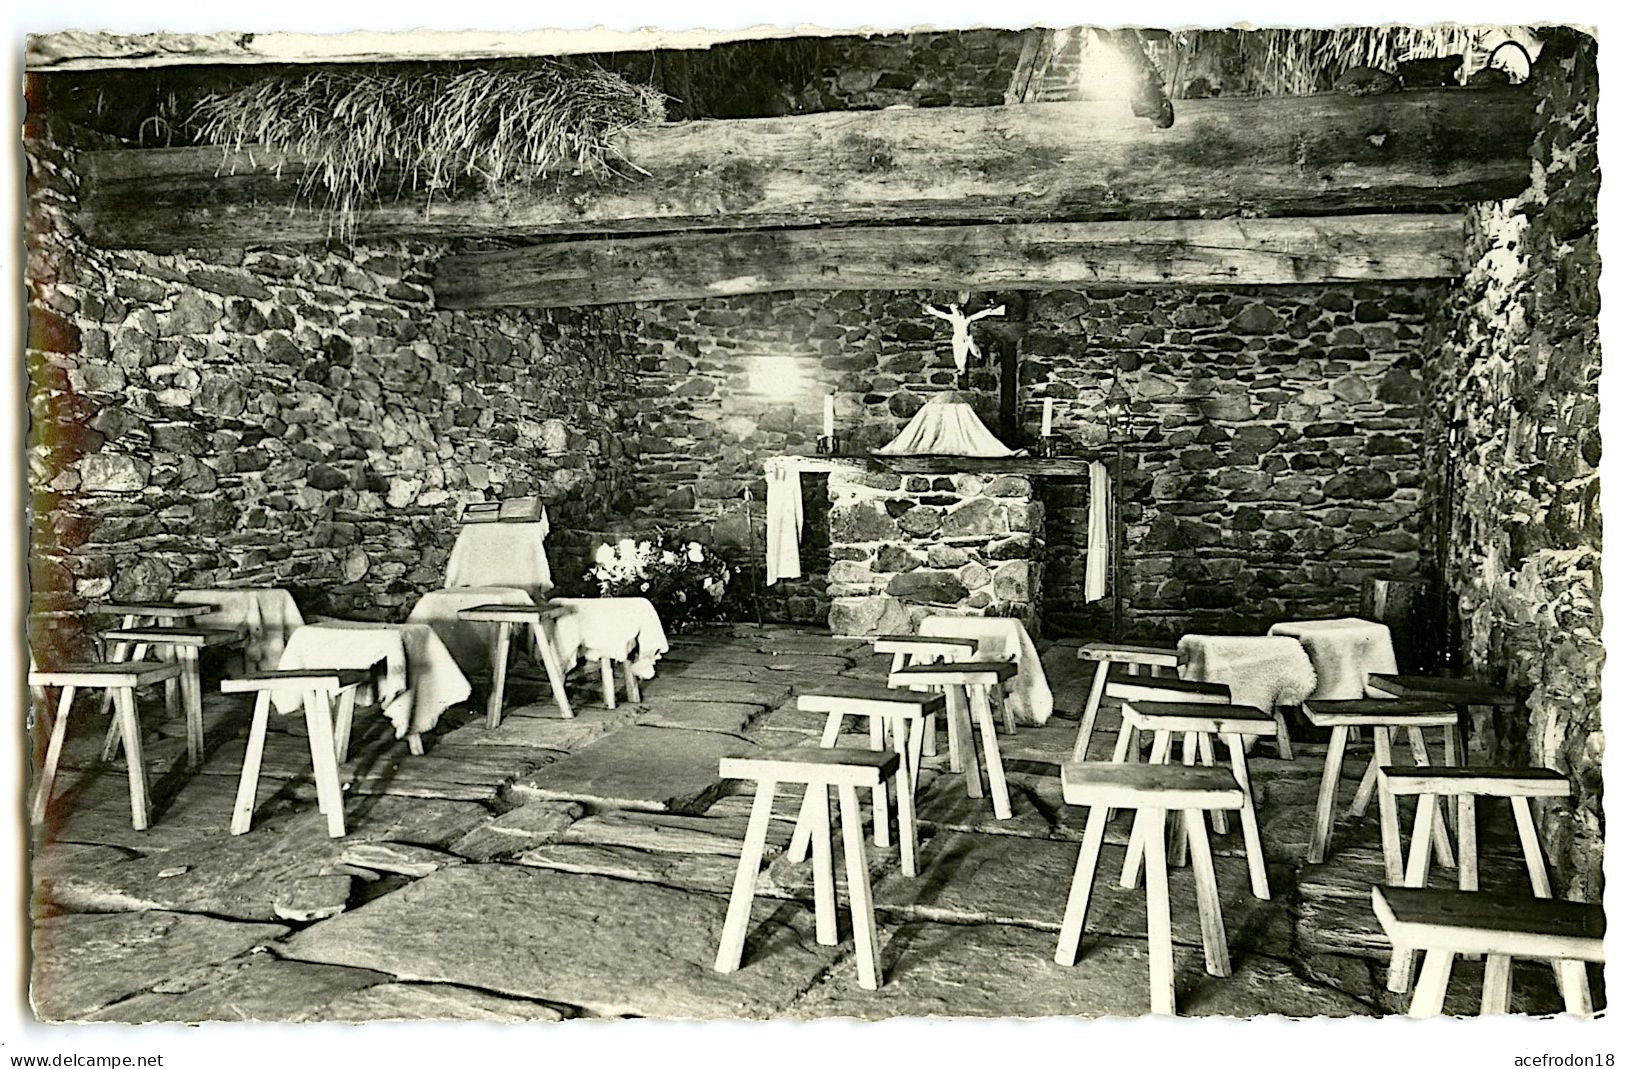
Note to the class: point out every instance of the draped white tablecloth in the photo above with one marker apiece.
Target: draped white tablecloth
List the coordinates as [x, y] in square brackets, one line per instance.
[602, 627]
[267, 614]
[420, 679]
[470, 642]
[502, 554]
[1003, 639]
[1343, 651]
[1261, 672]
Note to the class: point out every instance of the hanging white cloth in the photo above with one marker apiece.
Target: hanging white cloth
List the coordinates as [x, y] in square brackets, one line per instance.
[784, 519]
[1098, 551]
[946, 426]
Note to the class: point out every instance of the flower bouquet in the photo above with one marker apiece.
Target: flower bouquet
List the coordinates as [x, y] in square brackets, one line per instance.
[685, 583]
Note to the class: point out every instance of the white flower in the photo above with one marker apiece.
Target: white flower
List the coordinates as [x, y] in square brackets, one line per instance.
[668, 557]
[696, 553]
[605, 556]
[626, 549]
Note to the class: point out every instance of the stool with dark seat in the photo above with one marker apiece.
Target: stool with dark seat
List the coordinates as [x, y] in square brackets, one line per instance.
[902, 716]
[1447, 923]
[1464, 695]
[183, 645]
[975, 681]
[1155, 659]
[120, 680]
[929, 649]
[1152, 791]
[1383, 716]
[819, 770]
[328, 740]
[533, 616]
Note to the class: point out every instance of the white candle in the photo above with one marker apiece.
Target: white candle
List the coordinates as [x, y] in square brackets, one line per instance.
[1049, 416]
[829, 415]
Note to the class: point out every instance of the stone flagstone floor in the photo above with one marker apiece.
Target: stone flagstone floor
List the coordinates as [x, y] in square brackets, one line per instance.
[580, 868]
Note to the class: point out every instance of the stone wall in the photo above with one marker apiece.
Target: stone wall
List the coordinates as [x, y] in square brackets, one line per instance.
[1284, 424]
[1518, 363]
[299, 417]
[957, 68]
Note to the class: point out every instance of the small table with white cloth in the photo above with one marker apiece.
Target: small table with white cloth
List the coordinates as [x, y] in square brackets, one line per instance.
[468, 641]
[419, 678]
[1343, 652]
[502, 554]
[1001, 638]
[267, 614]
[610, 629]
[1262, 672]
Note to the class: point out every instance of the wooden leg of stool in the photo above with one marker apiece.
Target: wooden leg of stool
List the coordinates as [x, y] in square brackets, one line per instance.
[499, 674]
[343, 724]
[929, 742]
[1204, 747]
[954, 700]
[319, 725]
[1388, 810]
[1283, 737]
[1327, 802]
[242, 813]
[606, 674]
[1529, 839]
[130, 727]
[1430, 986]
[1158, 920]
[555, 670]
[832, 730]
[1141, 842]
[859, 896]
[1416, 875]
[53, 754]
[1214, 945]
[1576, 989]
[118, 655]
[1083, 882]
[1497, 984]
[633, 692]
[1091, 710]
[737, 922]
[882, 806]
[1466, 842]
[192, 698]
[817, 803]
[905, 736]
[1257, 871]
[1178, 838]
[806, 828]
[961, 713]
[1006, 713]
[1441, 831]
[990, 750]
[1368, 785]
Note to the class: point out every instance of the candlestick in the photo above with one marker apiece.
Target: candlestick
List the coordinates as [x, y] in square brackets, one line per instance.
[829, 415]
[1049, 417]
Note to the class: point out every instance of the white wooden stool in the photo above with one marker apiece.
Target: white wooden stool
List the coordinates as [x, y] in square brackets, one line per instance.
[329, 740]
[1195, 721]
[1152, 791]
[974, 681]
[1126, 687]
[928, 649]
[607, 660]
[1501, 927]
[120, 681]
[505, 617]
[1432, 787]
[902, 716]
[1383, 716]
[819, 770]
[182, 645]
[1154, 659]
[134, 614]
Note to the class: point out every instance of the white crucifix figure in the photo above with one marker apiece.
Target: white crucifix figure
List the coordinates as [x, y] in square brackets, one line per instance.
[964, 345]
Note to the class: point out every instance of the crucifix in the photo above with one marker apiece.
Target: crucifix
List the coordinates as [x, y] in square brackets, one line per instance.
[964, 346]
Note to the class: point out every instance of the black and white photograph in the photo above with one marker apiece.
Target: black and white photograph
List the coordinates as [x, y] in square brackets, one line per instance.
[798, 523]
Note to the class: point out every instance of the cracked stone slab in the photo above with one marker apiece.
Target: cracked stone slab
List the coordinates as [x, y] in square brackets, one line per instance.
[401, 858]
[729, 718]
[517, 830]
[85, 961]
[430, 1002]
[695, 689]
[719, 835]
[639, 768]
[613, 947]
[710, 873]
[258, 987]
[989, 970]
[748, 655]
[541, 727]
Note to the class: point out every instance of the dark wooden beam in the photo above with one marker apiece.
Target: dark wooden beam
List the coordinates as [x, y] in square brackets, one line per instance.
[1315, 155]
[1186, 252]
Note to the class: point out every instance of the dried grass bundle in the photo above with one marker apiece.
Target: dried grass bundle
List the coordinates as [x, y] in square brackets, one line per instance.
[358, 130]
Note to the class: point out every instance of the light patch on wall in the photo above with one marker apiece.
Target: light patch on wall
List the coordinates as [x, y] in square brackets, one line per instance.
[778, 377]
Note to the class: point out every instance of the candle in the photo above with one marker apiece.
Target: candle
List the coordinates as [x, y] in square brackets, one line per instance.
[1049, 416]
[829, 415]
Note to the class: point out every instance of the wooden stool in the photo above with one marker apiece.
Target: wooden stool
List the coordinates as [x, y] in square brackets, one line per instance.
[902, 717]
[120, 680]
[1123, 686]
[1383, 716]
[1199, 723]
[505, 617]
[1151, 791]
[819, 770]
[1463, 695]
[183, 645]
[134, 614]
[329, 741]
[607, 659]
[1518, 785]
[1105, 654]
[1447, 923]
[974, 681]
[928, 649]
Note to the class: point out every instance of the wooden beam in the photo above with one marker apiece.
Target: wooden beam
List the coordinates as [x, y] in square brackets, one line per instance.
[72, 50]
[1186, 252]
[1313, 155]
